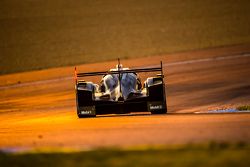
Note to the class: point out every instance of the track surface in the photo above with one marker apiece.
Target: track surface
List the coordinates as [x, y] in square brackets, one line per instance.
[40, 111]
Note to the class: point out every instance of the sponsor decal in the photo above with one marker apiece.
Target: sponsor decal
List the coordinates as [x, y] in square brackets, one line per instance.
[155, 107]
[88, 110]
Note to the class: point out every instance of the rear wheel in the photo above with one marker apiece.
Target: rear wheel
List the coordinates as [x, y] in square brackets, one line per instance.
[157, 97]
[85, 100]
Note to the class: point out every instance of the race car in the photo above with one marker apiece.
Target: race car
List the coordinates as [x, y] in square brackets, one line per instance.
[120, 91]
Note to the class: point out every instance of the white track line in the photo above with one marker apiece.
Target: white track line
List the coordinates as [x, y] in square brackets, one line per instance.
[202, 60]
[152, 66]
[33, 83]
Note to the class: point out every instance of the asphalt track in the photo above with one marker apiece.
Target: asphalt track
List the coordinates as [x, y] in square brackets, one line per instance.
[37, 109]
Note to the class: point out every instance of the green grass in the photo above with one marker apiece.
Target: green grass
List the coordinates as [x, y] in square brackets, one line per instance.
[214, 154]
[42, 34]
[242, 108]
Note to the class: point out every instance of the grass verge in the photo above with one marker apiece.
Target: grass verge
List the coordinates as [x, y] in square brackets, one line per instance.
[243, 108]
[214, 154]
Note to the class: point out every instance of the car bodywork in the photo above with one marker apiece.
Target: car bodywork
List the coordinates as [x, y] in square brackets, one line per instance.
[120, 91]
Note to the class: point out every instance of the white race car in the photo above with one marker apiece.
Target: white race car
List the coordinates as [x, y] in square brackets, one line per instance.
[120, 91]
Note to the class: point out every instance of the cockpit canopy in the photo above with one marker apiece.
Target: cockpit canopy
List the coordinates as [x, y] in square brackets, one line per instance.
[119, 88]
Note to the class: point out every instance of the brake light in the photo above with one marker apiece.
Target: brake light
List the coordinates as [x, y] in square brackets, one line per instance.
[75, 77]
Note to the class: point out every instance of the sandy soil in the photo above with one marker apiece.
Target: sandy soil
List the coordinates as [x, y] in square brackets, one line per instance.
[39, 111]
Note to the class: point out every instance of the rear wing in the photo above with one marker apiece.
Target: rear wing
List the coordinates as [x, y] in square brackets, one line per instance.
[119, 71]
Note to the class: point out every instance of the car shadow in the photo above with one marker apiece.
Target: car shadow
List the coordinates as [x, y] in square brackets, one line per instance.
[125, 115]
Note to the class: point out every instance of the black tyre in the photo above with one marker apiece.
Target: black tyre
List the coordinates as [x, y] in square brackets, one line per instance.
[85, 116]
[159, 112]
[157, 96]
